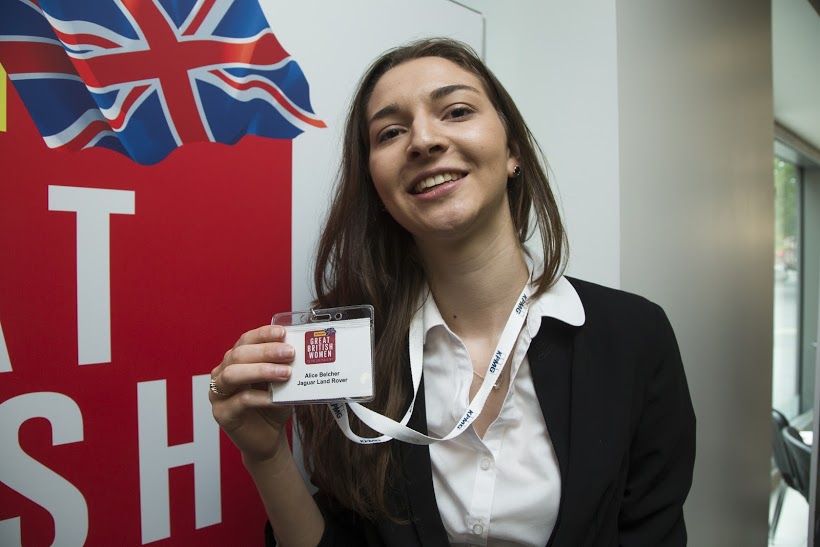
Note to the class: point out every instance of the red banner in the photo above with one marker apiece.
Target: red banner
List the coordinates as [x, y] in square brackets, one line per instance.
[121, 286]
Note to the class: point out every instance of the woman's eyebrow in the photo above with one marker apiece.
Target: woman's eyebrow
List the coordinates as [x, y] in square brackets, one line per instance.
[442, 92]
[436, 94]
[388, 110]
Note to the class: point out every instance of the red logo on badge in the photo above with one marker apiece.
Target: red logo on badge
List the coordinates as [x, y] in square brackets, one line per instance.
[320, 346]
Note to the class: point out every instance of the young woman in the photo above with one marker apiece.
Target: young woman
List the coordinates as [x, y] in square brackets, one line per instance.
[587, 436]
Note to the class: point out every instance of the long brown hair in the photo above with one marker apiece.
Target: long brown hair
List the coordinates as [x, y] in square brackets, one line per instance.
[365, 256]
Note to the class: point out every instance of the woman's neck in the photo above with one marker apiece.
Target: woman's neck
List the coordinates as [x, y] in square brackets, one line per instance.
[476, 283]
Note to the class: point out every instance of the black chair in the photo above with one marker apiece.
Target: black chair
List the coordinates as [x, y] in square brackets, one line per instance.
[783, 461]
[800, 454]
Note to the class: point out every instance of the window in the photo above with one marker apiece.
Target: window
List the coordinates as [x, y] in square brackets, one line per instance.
[786, 374]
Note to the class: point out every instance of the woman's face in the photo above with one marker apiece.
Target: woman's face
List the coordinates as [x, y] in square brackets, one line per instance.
[439, 155]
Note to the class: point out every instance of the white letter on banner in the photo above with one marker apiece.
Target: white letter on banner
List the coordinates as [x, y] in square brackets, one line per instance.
[156, 458]
[5, 360]
[32, 479]
[93, 207]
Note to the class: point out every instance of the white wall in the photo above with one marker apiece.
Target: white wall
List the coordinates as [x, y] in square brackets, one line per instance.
[558, 61]
[657, 120]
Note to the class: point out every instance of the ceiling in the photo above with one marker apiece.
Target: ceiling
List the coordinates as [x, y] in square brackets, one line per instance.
[796, 67]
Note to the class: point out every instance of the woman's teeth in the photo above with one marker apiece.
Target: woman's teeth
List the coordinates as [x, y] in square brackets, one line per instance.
[435, 180]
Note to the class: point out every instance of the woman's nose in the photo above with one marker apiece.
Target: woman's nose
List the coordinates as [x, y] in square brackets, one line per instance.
[426, 139]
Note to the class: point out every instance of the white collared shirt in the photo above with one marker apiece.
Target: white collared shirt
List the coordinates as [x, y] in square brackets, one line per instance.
[504, 489]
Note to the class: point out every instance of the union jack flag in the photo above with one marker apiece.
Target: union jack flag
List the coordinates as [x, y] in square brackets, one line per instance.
[143, 77]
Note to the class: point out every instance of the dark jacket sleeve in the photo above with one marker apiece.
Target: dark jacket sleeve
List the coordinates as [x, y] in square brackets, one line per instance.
[346, 528]
[336, 534]
[343, 528]
[662, 450]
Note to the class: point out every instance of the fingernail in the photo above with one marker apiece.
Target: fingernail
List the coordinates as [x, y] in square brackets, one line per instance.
[287, 352]
[277, 331]
[283, 372]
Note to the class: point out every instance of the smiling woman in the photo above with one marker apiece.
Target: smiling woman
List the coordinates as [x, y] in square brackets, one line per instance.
[556, 410]
[439, 154]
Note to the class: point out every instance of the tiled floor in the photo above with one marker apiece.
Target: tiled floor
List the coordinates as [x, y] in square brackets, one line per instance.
[792, 531]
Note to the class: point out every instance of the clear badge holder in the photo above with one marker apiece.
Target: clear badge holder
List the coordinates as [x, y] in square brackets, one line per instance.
[334, 356]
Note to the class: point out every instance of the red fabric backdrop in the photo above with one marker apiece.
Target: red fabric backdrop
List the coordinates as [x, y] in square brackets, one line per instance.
[205, 256]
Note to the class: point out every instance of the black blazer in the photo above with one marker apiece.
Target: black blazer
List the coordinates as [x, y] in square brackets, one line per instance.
[617, 407]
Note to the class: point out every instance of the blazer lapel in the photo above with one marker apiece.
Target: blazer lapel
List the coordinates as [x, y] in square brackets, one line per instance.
[551, 355]
[417, 474]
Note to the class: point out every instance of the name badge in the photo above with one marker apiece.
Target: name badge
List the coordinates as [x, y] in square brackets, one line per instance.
[334, 356]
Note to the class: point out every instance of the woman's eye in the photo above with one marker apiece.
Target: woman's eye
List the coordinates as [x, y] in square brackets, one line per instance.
[388, 134]
[460, 112]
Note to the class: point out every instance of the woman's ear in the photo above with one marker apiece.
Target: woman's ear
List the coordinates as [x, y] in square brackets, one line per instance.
[514, 160]
[515, 150]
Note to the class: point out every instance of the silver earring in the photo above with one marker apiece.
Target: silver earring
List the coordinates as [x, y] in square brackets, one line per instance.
[516, 172]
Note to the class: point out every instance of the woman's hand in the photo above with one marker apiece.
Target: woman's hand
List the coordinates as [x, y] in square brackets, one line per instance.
[242, 408]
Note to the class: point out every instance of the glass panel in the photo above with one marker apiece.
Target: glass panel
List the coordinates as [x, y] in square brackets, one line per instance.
[786, 361]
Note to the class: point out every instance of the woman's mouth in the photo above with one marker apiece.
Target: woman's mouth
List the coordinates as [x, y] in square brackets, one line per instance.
[431, 182]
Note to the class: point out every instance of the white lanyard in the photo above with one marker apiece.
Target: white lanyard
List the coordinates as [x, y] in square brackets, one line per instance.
[391, 429]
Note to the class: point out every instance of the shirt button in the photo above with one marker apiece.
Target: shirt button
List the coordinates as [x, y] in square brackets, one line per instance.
[486, 464]
[478, 529]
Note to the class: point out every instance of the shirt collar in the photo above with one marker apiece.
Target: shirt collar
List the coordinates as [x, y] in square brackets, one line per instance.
[431, 315]
[561, 301]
